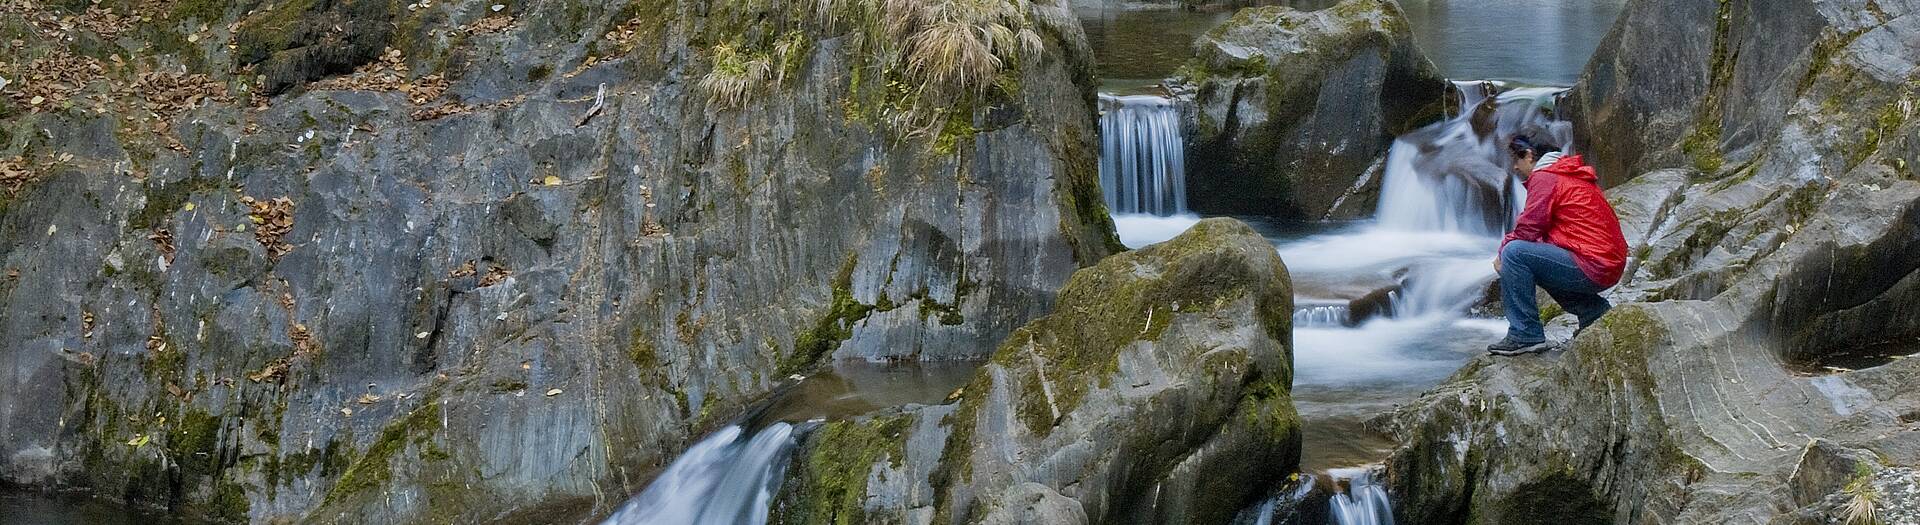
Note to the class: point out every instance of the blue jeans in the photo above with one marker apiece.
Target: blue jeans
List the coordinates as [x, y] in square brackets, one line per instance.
[1524, 264]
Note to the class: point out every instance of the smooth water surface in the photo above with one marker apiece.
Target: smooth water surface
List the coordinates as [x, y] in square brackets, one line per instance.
[1544, 42]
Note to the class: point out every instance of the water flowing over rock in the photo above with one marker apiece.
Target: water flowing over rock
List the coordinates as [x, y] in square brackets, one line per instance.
[522, 257]
[1752, 370]
[728, 478]
[1156, 392]
[1294, 107]
[1143, 167]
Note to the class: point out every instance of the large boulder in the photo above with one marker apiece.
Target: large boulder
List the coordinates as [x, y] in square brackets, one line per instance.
[1753, 369]
[1156, 392]
[503, 270]
[1294, 109]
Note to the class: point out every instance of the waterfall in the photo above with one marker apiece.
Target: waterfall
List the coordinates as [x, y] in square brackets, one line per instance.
[1142, 157]
[727, 478]
[1363, 502]
[1322, 316]
[1454, 176]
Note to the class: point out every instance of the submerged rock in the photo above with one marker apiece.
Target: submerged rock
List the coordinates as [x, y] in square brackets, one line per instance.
[1754, 370]
[1294, 108]
[504, 269]
[1156, 392]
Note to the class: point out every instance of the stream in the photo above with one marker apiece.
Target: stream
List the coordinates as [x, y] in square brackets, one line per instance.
[1384, 307]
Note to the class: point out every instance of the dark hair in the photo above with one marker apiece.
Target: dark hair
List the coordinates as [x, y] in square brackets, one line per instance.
[1523, 144]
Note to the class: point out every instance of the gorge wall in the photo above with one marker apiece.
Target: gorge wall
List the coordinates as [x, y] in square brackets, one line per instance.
[1752, 368]
[371, 261]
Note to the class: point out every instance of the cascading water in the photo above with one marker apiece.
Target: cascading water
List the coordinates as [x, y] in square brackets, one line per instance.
[1142, 157]
[1447, 197]
[1363, 502]
[726, 479]
[1143, 168]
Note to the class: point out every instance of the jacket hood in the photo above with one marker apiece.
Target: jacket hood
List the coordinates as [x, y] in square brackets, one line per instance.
[1570, 166]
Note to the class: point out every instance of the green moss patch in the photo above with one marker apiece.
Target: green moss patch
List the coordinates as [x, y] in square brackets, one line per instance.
[830, 486]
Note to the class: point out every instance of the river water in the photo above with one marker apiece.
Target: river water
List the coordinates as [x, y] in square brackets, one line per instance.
[1542, 42]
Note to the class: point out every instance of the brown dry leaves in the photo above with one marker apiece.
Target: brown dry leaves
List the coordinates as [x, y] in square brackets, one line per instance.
[163, 240]
[272, 220]
[106, 23]
[304, 347]
[491, 24]
[389, 73]
[464, 270]
[50, 81]
[455, 108]
[495, 274]
[14, 175]
[170, 93]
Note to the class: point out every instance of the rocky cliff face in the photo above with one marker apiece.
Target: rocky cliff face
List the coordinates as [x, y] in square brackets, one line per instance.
[1156, 392]
[367, 261]
[1753, 370]
[1293, 107]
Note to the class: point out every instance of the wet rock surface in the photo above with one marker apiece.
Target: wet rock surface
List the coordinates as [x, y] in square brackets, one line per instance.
[1294, 108]
[508, 266]
[1155, 392]
[1737, 379]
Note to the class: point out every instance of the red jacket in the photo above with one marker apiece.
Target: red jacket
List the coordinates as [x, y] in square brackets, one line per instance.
[1565, 209]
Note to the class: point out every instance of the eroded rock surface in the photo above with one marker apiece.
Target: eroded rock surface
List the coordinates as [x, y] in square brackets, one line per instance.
[1752, 370]
[1156, 392]
[505, 268]
[1294, 109]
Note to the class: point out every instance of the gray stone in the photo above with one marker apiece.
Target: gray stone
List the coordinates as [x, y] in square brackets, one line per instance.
[504, 312]
[1157, 391]
[1295, 107]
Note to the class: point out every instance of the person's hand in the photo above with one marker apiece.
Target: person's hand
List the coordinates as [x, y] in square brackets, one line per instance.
[1496, 264]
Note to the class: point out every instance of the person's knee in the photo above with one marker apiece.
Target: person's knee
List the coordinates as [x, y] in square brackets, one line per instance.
[1511, 250]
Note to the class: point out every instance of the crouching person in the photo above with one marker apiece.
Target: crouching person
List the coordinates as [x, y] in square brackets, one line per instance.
[1567, 241]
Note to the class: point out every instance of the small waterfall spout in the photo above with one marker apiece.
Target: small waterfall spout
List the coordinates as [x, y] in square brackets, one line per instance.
[1361, 501]
[1453, 176]
[1142, 157]
[727, 478]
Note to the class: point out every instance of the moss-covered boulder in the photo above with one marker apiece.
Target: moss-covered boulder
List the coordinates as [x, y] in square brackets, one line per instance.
[1294, 106]
[1156, 392]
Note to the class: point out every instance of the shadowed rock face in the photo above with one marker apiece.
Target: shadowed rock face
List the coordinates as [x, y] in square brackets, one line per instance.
[1293, 107]
[510, 297]
[1744, 375]
[1156, 392]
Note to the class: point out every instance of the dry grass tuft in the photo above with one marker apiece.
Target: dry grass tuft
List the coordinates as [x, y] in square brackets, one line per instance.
[735, 76]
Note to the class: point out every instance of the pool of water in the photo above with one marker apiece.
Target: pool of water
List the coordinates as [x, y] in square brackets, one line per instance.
[1544, 42]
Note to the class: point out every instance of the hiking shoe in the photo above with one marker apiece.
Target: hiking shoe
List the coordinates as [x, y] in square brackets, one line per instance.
[1509, 347]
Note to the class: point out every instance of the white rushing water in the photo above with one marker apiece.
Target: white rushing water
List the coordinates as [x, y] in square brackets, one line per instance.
[1143, 166]
[1447, 197]
[728, 478]
[1362, 502]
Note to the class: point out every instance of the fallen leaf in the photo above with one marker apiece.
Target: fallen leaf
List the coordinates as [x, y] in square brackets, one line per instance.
[188, 207]
[368, 399]
[554, 392]
[551, 180]
[346, 411]
[139, 440]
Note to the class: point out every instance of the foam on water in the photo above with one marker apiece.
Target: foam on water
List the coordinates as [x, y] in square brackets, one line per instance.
[725, 479]
[1139, 230]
